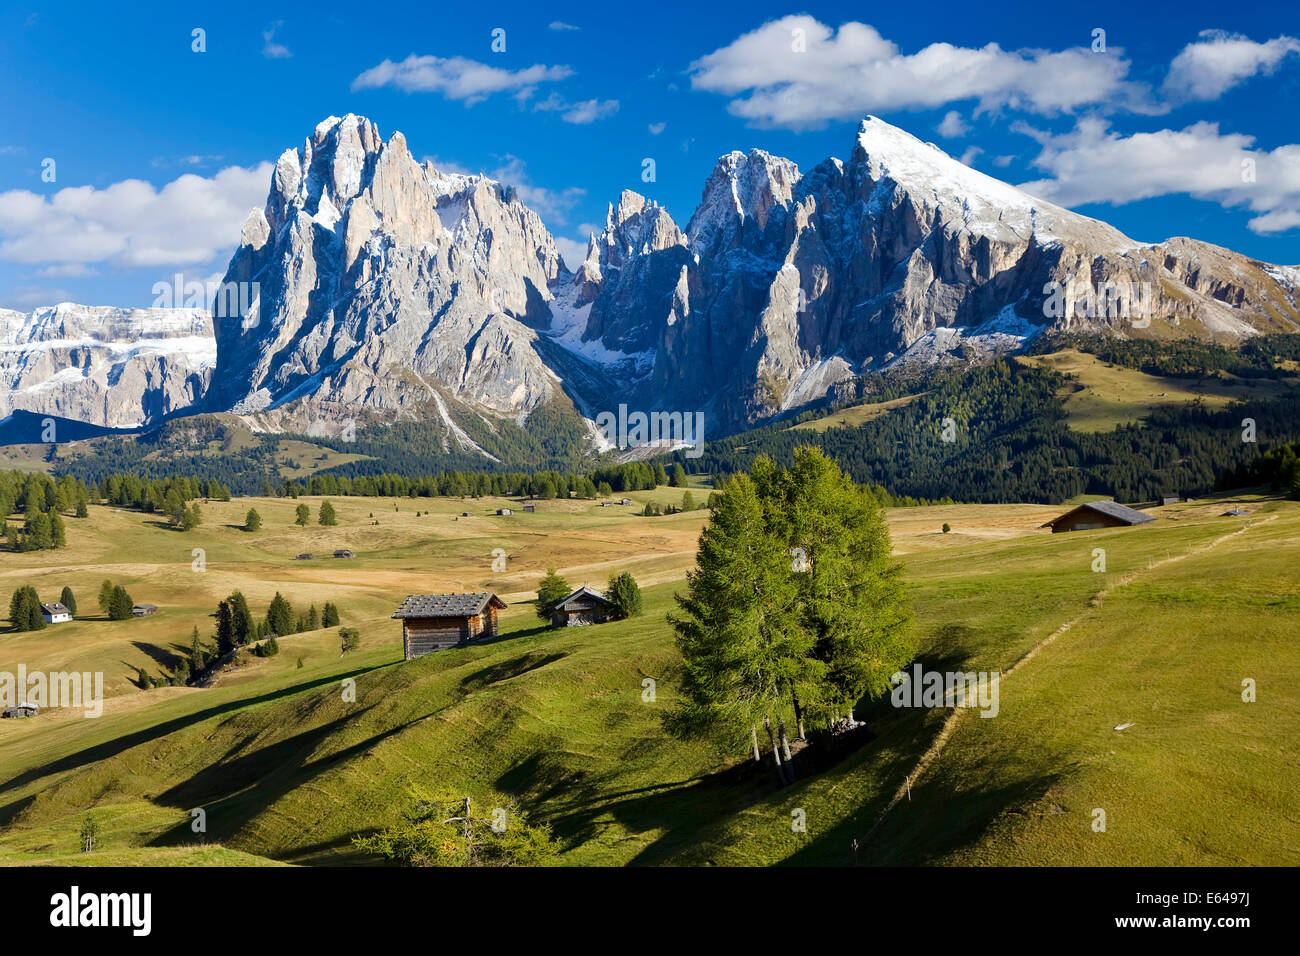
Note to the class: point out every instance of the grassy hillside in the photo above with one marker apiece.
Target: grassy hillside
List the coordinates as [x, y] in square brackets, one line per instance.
[1100, 395]
[287, 770]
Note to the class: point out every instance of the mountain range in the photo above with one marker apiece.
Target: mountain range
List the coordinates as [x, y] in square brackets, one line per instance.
[375, 287]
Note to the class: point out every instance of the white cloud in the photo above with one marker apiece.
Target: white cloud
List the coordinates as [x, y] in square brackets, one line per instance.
[29, 297]
[1003, 161]
[971, 154]
[551, 204]
[1219, 61]
[562, 26]
[843, 74]
[952, 126]
[581, 113]
[456, 78]
[657, 128]
[130, 223]
[574, 251]
[68, 270]
[1093, 164]
[270, 49]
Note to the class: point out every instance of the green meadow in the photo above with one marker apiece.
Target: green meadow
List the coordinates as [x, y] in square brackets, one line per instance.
[287, 768]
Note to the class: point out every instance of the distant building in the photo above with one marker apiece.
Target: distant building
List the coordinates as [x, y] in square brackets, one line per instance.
[1098, 514]
[504, 511]
[530, 508]
[584, 606]
[434, 622]
[626, 501]
[467, 514]
[1168, 499]
[55, 613]
[305, 556]
[344, 553]
[20, 710]
[144, 610]
[1234, 513]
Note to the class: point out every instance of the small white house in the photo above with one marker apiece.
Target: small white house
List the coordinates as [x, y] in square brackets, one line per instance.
[55, 613]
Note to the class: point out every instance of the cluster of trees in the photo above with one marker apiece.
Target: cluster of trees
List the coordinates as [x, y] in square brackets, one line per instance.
[794, 612]
[1009, 441]
[236, 625]
[43, 501]
[1262, 356]
[688, 504]
[1279, 469]
[126, 490]
[622, 591]
[115, 602]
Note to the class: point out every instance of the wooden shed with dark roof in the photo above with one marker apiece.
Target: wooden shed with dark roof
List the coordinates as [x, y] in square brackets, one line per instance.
[584, 606]
[1098, 514]
[434, 622]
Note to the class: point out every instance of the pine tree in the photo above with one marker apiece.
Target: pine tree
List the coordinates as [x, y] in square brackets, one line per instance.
[327, 516]
[304, 516]
[120, 605]
[626, 595]
[105, 595]
[252, 520]
[550, 590]
[734, 630]
[279, 616]
[241, 619]
[68, 600]
[313, 619]
[225, 628]
[25, 609]
[331, 615]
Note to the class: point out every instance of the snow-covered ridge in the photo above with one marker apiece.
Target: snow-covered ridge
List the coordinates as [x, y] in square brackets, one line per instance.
[987, 205]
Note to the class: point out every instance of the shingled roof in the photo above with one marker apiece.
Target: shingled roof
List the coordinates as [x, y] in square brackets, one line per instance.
[584, 591]
[1112, 509]
[447, 605]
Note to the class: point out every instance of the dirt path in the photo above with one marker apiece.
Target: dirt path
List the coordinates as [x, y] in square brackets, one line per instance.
[950, 722]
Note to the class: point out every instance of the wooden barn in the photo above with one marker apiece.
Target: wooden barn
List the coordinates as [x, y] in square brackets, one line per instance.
[584, 606]
[144, 610]
[504, 511]
[434, 622]
[1098, 514]
[344, 553]
[530, 508]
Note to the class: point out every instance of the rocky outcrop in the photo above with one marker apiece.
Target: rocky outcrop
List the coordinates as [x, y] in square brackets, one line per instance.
[118, 368]
[381, 281]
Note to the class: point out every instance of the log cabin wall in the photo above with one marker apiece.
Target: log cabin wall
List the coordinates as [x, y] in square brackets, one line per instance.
[423, 635]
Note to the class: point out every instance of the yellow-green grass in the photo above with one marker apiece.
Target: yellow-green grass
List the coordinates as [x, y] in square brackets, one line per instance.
[856, 415]
[301, 459]
[1099, 396]
[286, 769]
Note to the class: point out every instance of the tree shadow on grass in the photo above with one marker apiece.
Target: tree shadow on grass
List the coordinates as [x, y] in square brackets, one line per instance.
[234, 791]
[117, 745]
[496, 673]
[164, 658]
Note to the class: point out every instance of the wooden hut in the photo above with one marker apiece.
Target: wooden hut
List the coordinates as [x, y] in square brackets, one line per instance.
[144, 610]
[1098, 514]
[344, 553]
[504, 511]
[1168, 500]
[434, 622]
[530, 508]
[584, 606]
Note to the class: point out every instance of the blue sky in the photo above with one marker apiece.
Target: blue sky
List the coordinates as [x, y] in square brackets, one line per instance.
[158, 150]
